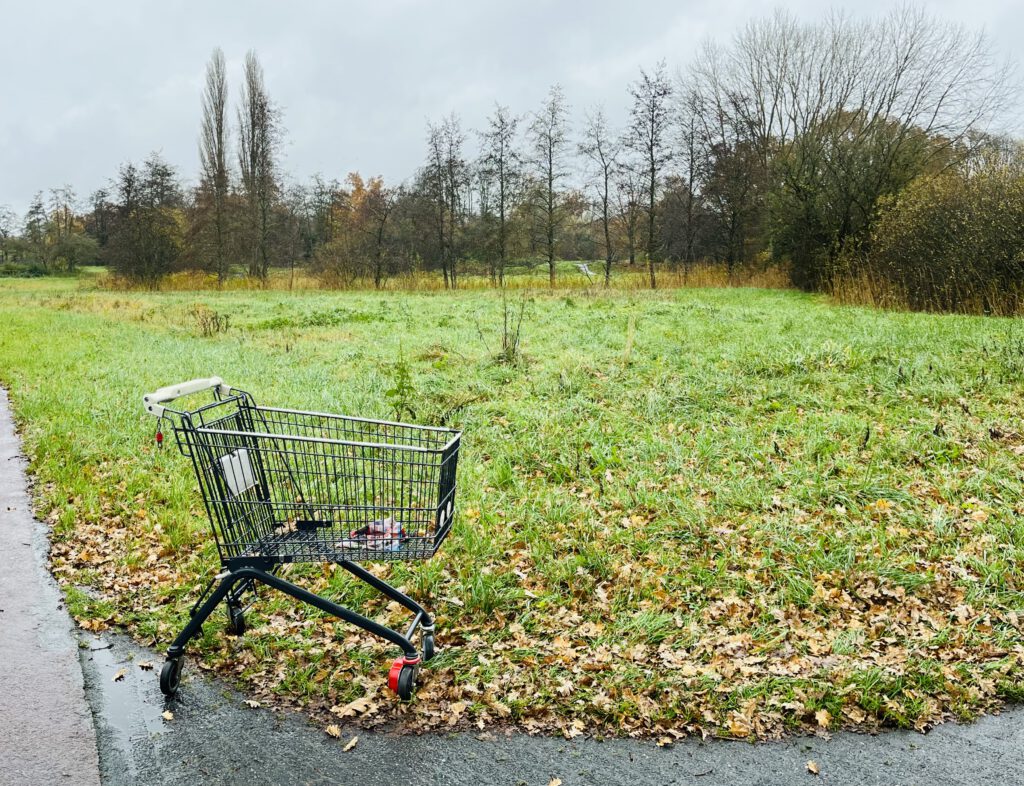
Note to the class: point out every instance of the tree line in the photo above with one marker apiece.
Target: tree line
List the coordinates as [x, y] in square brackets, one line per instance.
[793, 144]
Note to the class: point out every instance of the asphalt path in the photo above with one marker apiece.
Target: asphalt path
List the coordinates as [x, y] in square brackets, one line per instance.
[46, 730]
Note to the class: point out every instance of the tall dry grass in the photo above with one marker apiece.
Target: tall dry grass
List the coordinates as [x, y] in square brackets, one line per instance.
[703, 275]
[866, 289]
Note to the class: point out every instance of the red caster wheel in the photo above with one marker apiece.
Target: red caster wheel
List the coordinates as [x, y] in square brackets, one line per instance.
[402, 677]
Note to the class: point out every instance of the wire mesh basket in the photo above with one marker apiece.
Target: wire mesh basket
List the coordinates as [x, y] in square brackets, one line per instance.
[296, 486]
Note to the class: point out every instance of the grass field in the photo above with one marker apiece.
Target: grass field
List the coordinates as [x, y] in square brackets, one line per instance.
[732, 512]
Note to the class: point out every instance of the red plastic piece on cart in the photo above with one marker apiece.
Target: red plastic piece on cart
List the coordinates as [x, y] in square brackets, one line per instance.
[159, 437]
[396, 669]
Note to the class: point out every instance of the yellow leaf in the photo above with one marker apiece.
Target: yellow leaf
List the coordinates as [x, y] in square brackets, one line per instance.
[333, 731]
[738, 725]
[555, 782]
[167, 715]
[824, 718]
[146, 665]
[350, 744]
[812, 767]
[120, 675]
[252, 703]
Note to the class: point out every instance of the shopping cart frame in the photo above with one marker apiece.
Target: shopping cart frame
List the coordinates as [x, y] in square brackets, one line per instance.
[246, 563]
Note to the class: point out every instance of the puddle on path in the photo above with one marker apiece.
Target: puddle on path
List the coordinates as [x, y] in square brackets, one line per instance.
[129, 709]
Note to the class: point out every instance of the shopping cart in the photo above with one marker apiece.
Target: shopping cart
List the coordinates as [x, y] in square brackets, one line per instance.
[282, 485]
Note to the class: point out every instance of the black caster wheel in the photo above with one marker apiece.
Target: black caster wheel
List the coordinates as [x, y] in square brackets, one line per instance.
[406, 683]
[402, 677]
[429, 650]
[236, 620]
[170, 676]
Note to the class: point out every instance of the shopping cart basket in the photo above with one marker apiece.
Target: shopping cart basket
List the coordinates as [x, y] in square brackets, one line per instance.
[283, 485]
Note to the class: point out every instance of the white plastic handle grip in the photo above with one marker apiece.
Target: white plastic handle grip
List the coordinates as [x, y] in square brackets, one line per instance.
[152, 402]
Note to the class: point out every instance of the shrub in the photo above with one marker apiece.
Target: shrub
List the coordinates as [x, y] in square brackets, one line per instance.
[951, 242]
[22, 270]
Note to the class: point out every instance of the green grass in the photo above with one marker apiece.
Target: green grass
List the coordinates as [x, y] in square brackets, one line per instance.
[767, 506]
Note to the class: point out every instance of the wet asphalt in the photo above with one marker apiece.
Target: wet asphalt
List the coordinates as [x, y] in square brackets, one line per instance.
[212, 737]
[46, 731]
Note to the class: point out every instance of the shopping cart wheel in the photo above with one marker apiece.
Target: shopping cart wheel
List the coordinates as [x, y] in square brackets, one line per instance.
[428, 647]
[170, 676]
[402, 677]
[236, 620]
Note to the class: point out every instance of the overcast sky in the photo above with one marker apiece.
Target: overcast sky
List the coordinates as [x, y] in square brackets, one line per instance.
[87, 86]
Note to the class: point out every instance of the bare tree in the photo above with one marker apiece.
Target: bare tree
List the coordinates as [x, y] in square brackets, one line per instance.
[691, 160]
[259, 136]
[98, 219]
[501, 181]
[35, 229]
[731, 169]
[446, 178]
[599, 146]
[213, 156]
[8, 223]
[457, 178]
[433, 179]
[629, 195]
[62, 212]
[648, 138]
[549, 139]
[841, 113]
[378, 203]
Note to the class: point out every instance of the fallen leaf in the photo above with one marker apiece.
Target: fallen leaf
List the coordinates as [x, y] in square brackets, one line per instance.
[856, 714]
[664, 741]
[167, 715]
[457, 708]
[738, 725]
[146, 665]
[824, 718]
[555, 782]
[350, 744]
[812, 767]
[352, 708]
[252, 703]
[120, 675]
[333, 731]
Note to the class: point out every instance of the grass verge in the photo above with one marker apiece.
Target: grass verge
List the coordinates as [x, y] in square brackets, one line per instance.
[732, 512]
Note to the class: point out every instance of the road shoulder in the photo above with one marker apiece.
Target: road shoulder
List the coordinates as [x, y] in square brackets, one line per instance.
[46, 726]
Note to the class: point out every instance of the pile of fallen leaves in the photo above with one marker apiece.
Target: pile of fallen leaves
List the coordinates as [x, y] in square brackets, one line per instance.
[863, 651]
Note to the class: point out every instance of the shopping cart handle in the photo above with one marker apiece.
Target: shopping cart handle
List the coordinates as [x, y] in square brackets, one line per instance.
[152, 402]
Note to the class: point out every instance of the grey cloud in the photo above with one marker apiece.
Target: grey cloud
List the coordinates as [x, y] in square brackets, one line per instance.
[84, 87]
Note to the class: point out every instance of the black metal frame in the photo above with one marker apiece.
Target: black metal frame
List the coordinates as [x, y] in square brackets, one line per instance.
[242, 572]
[301, 481]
